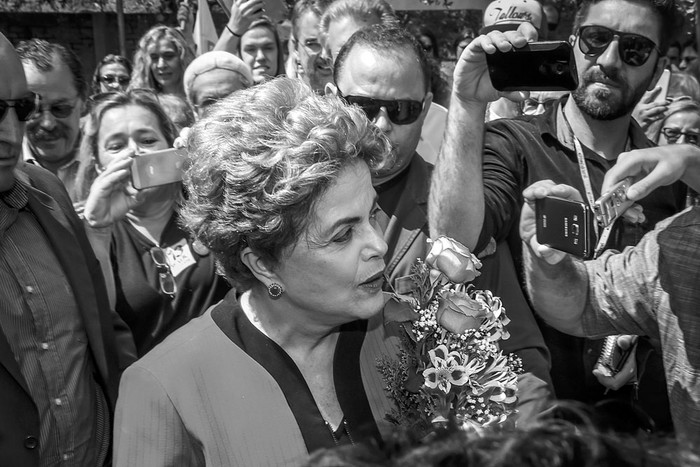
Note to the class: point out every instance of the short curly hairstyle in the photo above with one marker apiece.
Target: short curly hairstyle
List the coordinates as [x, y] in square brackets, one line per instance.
[259, 162]
[142, 77]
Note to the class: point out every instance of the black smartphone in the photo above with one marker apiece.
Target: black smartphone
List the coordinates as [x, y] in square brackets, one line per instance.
[157, 168]
[613, 357]
[566, 226]
[538, 66]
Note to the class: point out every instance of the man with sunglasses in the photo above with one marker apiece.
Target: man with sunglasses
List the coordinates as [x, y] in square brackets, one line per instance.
[384, 70]
[61, 349]
[55, 75]
[480, 174]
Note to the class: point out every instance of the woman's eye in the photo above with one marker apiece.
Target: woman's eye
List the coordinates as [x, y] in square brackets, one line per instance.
[149, 141]
[343, 237]
[114, 147]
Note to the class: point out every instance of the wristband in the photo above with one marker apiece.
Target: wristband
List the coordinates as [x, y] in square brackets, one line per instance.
[233, 33]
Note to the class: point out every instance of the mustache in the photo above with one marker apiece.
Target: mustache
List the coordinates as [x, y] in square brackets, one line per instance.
[596, 74]
[40, 134]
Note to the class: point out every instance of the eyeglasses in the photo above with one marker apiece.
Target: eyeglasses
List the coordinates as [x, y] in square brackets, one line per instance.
[400, 111]
[313, 47]
[112, 79]
[24, 107]
[674, 134]
[62, 110]
[165, 274]
[634, 49]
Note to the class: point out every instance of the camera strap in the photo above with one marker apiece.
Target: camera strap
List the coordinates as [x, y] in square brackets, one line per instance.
[585, 176]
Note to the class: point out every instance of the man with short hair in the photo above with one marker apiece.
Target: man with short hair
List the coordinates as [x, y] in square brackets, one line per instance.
[385, 71]
[213, 76]
[479, 177]
[344, 17]
[55, 75]
[61, 349]
[312, 65]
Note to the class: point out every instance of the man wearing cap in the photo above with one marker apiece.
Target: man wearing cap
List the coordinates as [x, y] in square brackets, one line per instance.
[479, 176]
[213, 76]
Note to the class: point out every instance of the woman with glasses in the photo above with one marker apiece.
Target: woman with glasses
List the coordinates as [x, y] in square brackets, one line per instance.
[113, 73]
[681, 125]
[160, 61]
[160, 277]
[280, 191]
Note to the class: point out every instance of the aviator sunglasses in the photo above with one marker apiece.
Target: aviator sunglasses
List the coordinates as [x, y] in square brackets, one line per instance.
[24, 107]
[400, 111]
[634, 49]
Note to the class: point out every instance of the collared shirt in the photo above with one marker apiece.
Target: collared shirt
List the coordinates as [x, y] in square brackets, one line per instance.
[518, 152]
[40, 318]
[67, 173]
[652, 290]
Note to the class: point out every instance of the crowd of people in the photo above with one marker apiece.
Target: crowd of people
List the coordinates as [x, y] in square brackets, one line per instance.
[235, 317]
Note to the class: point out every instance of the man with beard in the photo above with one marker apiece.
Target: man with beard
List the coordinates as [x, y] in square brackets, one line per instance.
[313, 65]
[385, 71]
[479, 176]
[55, 75]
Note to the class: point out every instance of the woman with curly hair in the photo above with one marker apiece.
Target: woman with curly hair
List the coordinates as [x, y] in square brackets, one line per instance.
[280, 191]
[160, 61]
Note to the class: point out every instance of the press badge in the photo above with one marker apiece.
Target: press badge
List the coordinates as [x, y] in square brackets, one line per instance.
[179, 257]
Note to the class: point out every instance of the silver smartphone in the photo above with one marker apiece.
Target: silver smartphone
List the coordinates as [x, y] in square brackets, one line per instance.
[157, 168]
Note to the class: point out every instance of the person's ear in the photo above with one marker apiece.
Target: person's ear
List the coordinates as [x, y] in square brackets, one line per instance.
[427, 102]
[331, 89]
[260, 268]
[661, 65]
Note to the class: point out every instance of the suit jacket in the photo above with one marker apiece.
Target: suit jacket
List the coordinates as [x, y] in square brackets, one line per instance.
[109, 341]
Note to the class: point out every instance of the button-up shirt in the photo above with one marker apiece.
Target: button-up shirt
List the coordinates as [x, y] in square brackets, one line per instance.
[40, 318]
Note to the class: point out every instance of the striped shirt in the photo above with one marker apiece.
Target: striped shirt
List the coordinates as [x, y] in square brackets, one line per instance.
[40, 318]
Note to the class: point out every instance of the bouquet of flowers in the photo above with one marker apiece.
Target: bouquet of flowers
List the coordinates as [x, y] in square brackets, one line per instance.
[450, 368]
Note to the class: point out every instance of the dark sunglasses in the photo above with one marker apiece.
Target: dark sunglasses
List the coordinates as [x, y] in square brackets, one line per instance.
[400, 111]
[673, 134]
[634, 49]
[111, 79]
[24, 107]
[165, 274]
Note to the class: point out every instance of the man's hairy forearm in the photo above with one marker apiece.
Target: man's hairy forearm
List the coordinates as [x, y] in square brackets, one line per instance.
[558, 292]
[456, 205]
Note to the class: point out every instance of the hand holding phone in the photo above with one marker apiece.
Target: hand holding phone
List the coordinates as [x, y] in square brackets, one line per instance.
[537, 66]
[157, 168]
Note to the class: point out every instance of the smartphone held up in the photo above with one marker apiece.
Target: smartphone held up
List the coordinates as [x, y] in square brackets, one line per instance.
[572, 226]
[538, 66]
[157, 168]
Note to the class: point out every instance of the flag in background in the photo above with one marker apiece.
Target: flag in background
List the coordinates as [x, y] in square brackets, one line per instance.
[205, 36]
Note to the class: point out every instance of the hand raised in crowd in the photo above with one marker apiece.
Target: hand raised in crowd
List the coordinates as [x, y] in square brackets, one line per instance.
[655, 167]
[648, 110]
[471, 75]
[112, 195]
[243, 13]
[528, 222]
